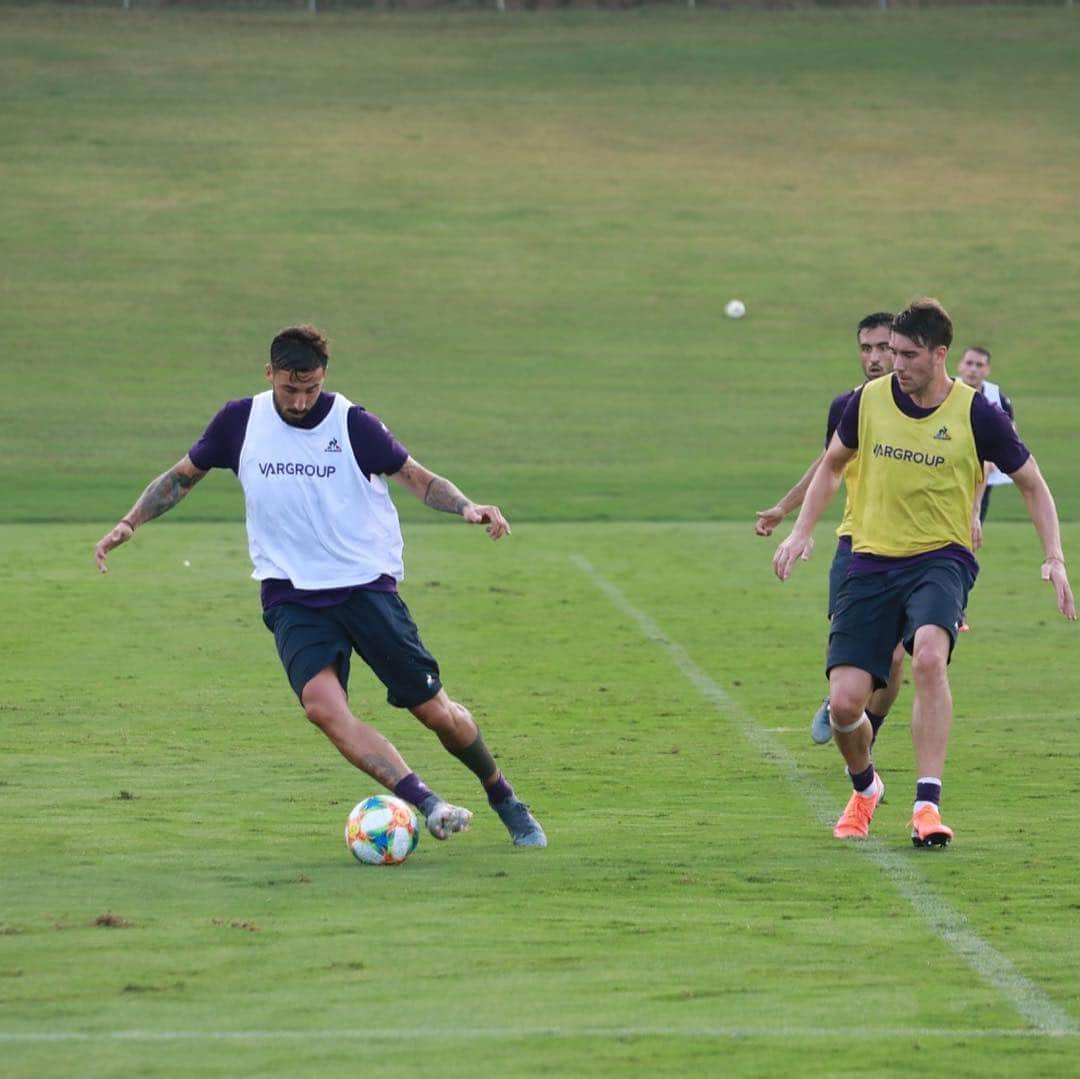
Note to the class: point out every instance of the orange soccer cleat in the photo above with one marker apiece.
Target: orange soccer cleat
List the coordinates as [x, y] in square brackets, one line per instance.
[927, 829]
[854, 822]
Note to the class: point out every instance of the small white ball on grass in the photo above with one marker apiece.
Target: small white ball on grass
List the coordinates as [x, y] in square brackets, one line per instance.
[735, 309]
[187, 563]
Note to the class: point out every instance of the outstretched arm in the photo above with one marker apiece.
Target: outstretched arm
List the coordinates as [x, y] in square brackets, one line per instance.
[1043, 513]
[768, 519]
[159, 497]
[440, 494]
[819, 494]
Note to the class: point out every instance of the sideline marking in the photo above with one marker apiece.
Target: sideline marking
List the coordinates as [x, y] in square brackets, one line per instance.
[509, 1033]
[995, 969]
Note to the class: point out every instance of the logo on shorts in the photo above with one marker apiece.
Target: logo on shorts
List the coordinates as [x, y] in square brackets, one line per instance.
[333, 446]
[943, 433]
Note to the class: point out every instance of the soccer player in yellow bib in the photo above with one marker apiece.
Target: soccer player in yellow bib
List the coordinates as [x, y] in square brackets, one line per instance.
[922, 438]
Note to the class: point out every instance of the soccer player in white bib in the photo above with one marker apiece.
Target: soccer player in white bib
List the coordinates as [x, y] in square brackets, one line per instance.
[974, 370]
[326, 545]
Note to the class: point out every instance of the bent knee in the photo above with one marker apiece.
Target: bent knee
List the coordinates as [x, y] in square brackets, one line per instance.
[929, 663]
[317, 712]
[845, 710]
[443, 715]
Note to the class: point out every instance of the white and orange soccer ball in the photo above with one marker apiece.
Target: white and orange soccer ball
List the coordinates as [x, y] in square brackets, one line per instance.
[382, 830]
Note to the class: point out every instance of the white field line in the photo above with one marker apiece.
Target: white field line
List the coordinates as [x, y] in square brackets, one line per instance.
[466, 1034]
[1030, 1002]
[1045, 1017]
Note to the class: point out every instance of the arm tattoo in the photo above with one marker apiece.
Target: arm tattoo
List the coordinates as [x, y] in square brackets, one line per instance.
[161, 495]
[443, 495]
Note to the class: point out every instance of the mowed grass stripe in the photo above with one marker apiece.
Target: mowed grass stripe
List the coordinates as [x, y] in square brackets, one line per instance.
[990, 965]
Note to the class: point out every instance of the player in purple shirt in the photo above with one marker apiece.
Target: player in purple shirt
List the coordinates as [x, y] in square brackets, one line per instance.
[911, 572]
[308, 509]
[876, 359]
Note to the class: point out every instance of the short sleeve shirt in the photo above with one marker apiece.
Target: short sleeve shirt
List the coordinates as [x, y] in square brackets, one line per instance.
[376, 450]
[996, 440]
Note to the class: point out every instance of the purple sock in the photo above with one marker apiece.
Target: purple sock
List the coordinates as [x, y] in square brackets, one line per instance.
[863, 780]
[499, 791]
[928, 792]
[413, 789]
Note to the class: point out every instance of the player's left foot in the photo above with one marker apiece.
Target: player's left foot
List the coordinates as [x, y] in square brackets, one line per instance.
[927, 829]
[523, 827]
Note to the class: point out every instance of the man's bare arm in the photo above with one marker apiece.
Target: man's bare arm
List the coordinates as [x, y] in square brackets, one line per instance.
[1043, 512]
[159, 497]
[819, 494]
[768, 519]
[440, 494]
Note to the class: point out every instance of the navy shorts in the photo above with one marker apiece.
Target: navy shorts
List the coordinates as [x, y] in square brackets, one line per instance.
[838, 570]
[376, 625]
[875, 610]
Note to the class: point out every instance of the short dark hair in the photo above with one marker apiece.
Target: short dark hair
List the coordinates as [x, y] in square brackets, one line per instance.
[925, 322]
[875, 320]
[978, 348]
[299, 348]
[872, 322]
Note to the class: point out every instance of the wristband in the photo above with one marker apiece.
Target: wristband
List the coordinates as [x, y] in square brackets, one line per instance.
[130, 524]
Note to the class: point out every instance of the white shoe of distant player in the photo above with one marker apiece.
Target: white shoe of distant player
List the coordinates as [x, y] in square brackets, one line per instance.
[444, 820]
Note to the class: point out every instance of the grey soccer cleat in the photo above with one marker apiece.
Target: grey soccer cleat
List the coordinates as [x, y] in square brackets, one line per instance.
[523, 827]
[820, 728]
[444, 820]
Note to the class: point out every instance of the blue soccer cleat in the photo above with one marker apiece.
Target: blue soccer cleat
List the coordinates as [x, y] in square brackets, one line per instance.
[820, 728]
[523, 827]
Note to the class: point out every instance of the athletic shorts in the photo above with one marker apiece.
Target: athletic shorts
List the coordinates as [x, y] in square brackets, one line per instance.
[376, 625]
[875, 610]
[838, 571]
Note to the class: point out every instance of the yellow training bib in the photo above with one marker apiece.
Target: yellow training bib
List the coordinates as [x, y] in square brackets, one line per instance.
[917, 477]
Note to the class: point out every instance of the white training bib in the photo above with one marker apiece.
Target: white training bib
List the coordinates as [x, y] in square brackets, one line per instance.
[313, 517]
[997, 478]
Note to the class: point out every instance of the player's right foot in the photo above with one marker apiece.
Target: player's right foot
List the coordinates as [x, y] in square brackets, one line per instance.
[927, 829]
[820, 728]
[854, 822]
[444, 820]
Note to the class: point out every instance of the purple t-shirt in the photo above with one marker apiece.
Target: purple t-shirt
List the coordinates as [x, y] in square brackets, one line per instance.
[996, 440]
[376, 450]
[836, 410]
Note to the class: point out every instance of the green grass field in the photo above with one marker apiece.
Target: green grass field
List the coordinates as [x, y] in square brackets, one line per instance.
[519, 234]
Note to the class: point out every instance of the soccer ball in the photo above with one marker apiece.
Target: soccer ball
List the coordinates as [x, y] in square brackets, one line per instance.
[735, 309]
[382, 830]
